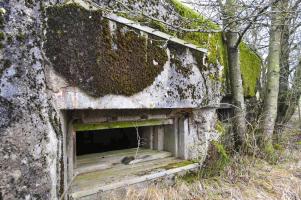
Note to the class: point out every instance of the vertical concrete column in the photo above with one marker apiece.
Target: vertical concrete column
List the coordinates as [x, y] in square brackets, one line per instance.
[171, 138]
[70, 150]
[183, 137]
[159, 138]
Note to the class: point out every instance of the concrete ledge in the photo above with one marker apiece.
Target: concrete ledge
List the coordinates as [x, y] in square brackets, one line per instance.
[121, 124]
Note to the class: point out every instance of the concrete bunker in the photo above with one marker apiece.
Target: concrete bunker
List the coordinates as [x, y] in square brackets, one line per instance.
[117, 131]
[79, 58]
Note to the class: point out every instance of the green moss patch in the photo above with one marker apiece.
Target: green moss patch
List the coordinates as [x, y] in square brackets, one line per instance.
[179, 164]
[219, 127]
[111, 125]
[250, 64]
[2, 36]
[211, 41]
[20, 36]
[84, 51]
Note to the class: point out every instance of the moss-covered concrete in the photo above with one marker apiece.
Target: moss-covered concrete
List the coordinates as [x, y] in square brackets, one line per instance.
[122, 80]
[88, 54]
[179, 164]
[120, 124]
[211, 41]
[250, 61]
[250, 64]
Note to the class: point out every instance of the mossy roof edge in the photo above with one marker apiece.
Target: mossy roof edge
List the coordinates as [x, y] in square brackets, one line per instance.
[155, 32]
[136, 25]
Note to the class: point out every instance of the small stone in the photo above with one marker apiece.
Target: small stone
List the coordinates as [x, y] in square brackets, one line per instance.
[2, 11]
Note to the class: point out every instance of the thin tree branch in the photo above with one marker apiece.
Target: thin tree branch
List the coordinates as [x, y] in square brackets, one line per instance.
[253, 21]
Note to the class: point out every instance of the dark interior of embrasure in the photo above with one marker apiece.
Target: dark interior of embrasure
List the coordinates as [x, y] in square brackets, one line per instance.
[98, 141]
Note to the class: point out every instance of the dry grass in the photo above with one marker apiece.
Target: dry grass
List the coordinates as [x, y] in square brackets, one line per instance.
[244, 178]
[261, 181]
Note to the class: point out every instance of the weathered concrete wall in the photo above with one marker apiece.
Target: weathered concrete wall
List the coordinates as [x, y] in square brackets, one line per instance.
[34, 87]
[202, 131]
[121, 67]
[29, 127]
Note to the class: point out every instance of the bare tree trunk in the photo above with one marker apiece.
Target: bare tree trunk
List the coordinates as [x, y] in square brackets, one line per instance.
[235, 75]
[284, 65]
[272, 88]
[284, 73]
[288, 97]
[236, 90]
[294, 95]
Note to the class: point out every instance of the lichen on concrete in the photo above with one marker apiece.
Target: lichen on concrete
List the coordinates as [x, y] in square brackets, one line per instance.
[26, 150]
[88, 54]
[176, 61]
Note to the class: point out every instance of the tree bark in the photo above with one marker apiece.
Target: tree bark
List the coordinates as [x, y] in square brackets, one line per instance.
[288, 96]
[294, 95]
[284, 66]
[236, 90]
[235, 76]
[272, 88]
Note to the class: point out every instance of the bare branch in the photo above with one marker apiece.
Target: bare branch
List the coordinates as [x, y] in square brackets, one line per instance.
[253, 21]
[171, 25]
